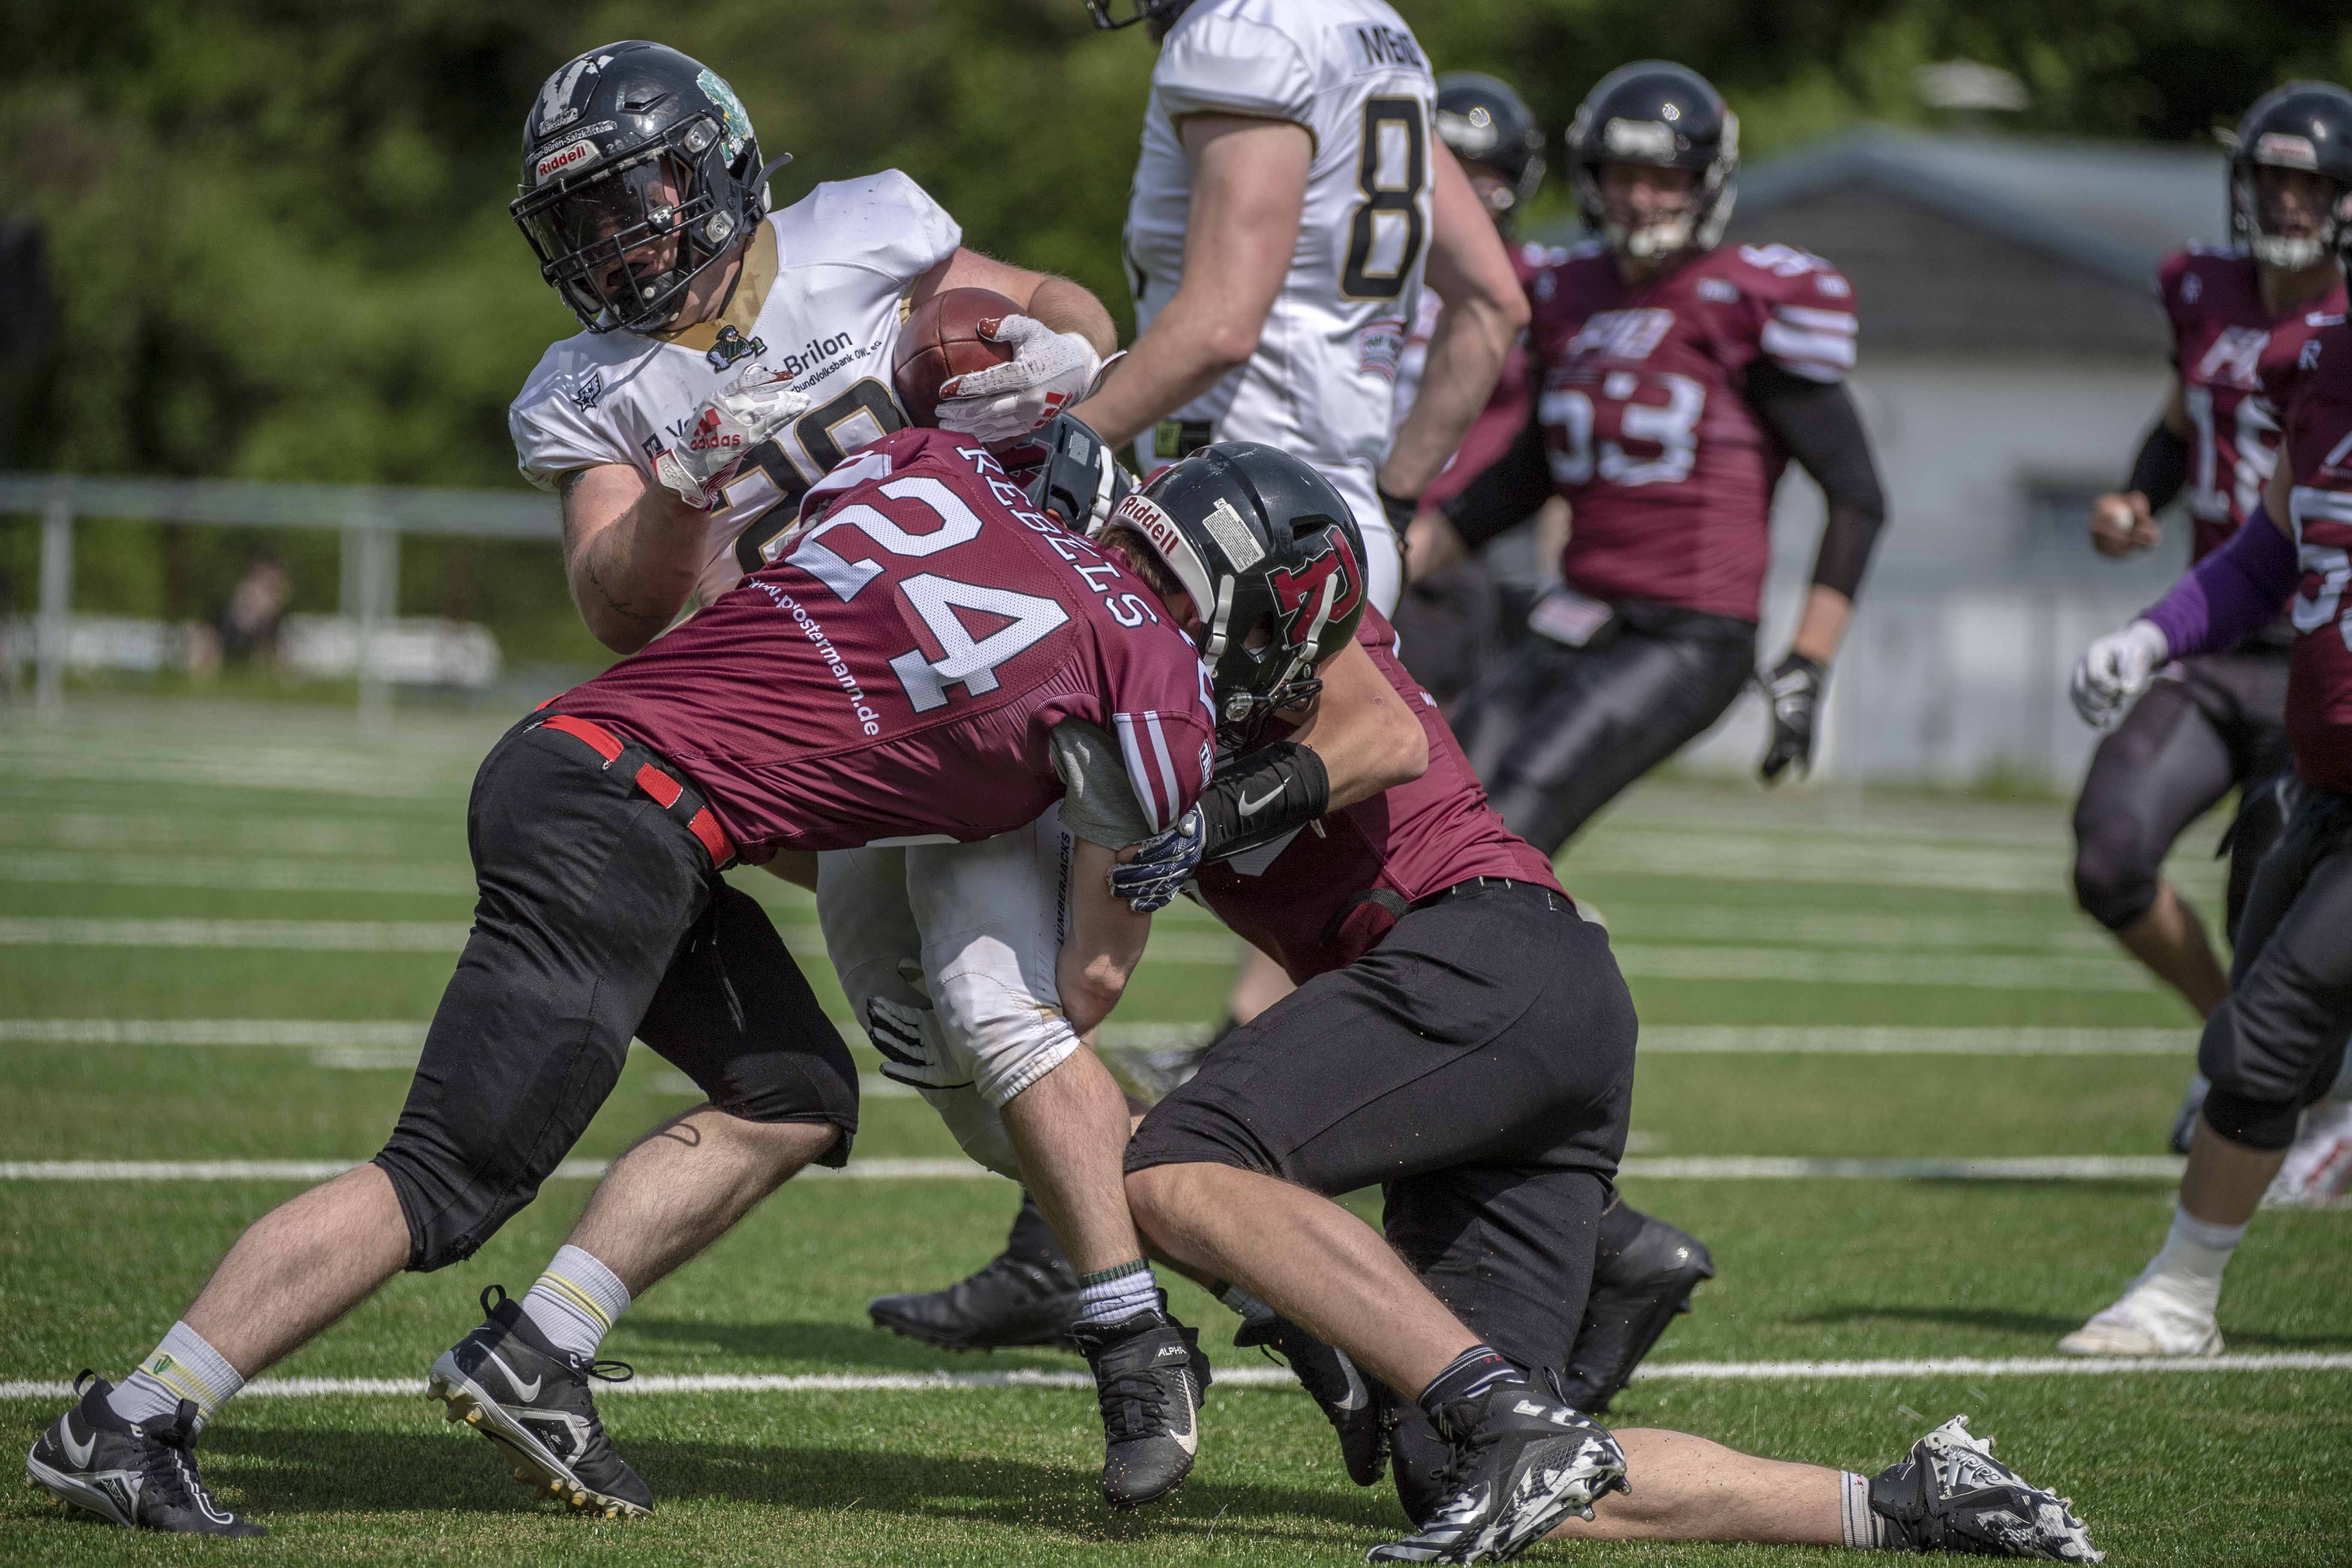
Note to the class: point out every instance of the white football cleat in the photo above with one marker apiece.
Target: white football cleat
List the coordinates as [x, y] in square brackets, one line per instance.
[2318, 1169]
[2155, 1317]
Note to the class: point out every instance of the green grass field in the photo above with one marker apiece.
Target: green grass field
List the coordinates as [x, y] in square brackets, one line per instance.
[221, 929]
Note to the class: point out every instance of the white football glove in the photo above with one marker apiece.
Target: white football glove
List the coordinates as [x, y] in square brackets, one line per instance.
[2114, 668]
[1049, 371]
[754, 408]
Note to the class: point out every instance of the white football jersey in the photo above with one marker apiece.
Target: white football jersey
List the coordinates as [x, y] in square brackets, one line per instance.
[820, 302]
[1322, 380]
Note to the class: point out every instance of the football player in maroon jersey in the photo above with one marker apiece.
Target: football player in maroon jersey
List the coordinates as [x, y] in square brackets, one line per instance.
[897, 673]
[2240, 318]
[1677, 380]
[2275, 1044]
[1460, 1037]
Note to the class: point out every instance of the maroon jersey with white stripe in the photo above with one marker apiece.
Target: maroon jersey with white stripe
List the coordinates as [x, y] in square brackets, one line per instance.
[893, 672]
[2319, 452]
[1646, 423]
[1324, 897]
[2238, 367]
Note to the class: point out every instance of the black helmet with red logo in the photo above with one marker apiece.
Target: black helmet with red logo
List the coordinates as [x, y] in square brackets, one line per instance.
[2304, 125]
[640, 169]
[1271, 556]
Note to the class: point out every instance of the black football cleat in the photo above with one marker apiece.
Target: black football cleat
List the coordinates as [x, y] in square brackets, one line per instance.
[1009, 1302]
[506, 1382]
[140, 1475]
[1150, 1377]
[1351, 1405]
[1636, 1292]
[1949, 1494]
[1521, 1463]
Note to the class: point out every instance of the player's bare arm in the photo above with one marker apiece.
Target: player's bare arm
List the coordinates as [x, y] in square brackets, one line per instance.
[1249, 187]
[2123, 522]
[1485, 310]
[632, 550]
[1368, 740]
[1104, 942]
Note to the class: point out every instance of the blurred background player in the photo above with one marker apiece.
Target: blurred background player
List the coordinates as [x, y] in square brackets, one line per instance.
[2241, 319]
[2275, 1044]
[1268, 122]
[1454, 621]
[1677, 380]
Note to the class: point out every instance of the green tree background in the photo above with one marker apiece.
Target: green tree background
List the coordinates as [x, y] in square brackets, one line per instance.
[279, 250]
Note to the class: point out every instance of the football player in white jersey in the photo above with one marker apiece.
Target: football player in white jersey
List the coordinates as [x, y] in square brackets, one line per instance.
[730, 355]
[1288, 202]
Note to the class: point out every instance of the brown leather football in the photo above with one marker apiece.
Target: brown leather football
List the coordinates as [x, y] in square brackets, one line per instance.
[941, 339]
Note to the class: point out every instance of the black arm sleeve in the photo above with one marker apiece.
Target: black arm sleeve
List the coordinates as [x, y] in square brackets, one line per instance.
[1819, 427]
[1257, 798]
[1506, 493]
[2161, 468]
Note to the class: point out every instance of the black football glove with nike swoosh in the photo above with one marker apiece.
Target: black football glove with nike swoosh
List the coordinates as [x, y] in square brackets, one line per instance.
[1252, 801]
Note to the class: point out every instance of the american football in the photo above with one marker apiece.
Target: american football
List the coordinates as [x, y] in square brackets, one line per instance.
[941, 340]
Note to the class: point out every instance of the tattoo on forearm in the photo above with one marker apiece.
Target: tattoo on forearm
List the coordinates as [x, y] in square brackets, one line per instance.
[619, 606]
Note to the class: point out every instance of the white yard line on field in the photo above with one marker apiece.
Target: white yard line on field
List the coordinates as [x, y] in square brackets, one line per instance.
[1816, 967]
[239, 873]
[1278, 1377]
[1661, 1039]
[1733, 1168]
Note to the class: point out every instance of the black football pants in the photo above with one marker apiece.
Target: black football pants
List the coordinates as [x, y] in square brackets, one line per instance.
[2217, 725]
[1557, 733]
[2277, 1043]
[600, 917]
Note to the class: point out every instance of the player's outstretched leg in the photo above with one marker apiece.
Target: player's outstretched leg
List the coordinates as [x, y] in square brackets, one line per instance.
[138, 1474]
[511, 1383]
[1643, 1275]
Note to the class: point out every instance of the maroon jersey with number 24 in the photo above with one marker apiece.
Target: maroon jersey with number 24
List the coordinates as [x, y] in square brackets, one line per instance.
[893, 673]
[1646, 422]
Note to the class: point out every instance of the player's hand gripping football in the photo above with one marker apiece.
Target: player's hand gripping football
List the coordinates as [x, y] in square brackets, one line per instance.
[2115, 668]
[1048, 372]
[2122, 524]
[754, 408]
[1156, 870]
[1795, 690]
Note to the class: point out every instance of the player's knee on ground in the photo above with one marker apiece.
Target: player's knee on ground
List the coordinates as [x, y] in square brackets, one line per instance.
[2116, 877]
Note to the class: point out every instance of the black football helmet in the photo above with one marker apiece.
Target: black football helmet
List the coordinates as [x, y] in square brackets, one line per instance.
[2303, 125]
[1271, 556]
[1486, 122]
[1067, 469]
[1657, 113]
[636, 148]
[1161, 11]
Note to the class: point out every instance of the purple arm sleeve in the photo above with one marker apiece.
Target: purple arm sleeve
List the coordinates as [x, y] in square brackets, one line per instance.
[2231, 594]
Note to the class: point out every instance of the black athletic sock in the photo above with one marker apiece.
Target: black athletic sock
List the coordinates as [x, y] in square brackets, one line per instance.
[1467, 1376]
[1032, 1240]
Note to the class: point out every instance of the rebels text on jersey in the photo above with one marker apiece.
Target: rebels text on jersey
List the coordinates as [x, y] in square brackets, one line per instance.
[894, 674]
[1322, 380]
[1505, 414]
[1646, 425]
[2319, 454]
[2238, 366]
[1321, 898]
[818, 302]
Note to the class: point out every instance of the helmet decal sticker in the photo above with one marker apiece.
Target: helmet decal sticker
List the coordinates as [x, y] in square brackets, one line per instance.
[739, 123]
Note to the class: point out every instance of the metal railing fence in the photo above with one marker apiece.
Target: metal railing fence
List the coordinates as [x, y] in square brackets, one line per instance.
[371, 519]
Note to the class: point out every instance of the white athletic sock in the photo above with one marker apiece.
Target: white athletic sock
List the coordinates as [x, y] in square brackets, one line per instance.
[575, 1302]
[1115, 1295]
[1864, 1531]
[182, 1367]
[2195, 1253]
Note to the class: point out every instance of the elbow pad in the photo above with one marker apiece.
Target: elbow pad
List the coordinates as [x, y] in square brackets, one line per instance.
[1257, 798]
